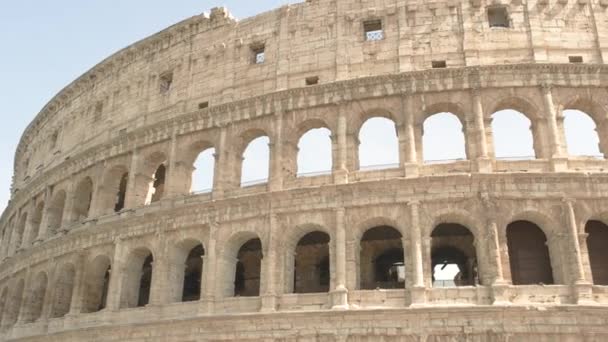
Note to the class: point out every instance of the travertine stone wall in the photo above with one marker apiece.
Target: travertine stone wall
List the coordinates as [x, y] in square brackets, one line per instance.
[61, 232]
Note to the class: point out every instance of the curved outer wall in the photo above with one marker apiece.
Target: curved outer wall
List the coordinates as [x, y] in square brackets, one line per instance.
[144, 106]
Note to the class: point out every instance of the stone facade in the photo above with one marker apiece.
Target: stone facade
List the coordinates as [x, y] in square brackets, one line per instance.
[103, 240]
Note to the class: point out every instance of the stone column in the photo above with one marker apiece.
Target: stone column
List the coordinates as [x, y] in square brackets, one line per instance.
[483, 162]
[79, 285]
[115, 287]
[172, 178]
[25, 297]
[276, 155]
[269, 297]
[28, 225]
[341, 167]
[340, 292]
[410, 162]
[582, 289]
[44, 221]
[418, 291]
[131, 198]
[558, 160]
[209, 270]
[159, 289]
[98, 186]
[50, 291]
[221, 169]
[67, 218]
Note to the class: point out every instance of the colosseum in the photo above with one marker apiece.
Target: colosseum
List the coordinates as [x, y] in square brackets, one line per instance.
[104, 238]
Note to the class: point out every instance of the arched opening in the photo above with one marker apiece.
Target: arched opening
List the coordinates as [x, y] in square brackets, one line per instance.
[453, 256]
[443, 138]
[14, 302]
[20, 231]
[64, 287]
[528, 254]
[311, 263]
[204, 167]
[256, 162]
[512, 135]
[597, 243]
[121, 194]
[581, 134]
[55, 212]
[35, 223]
[378, 144]
[248, 269]
[35, 298]
[315, 152]
[381, 259]
[138, 279]
[157, 186]
[97, 283]
[193, 271]
[82, 200]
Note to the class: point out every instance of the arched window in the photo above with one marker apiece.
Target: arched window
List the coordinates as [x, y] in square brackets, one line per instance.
[315, 152]
[157, 187]
[20, 231]
[35, 298]
[581, 135]
[256, 162]
[512, 136]
[311, 264]
[111, 196]
[82, 200]
[63, 290]
[138, 279]
[597, 241]
[14, 301]
[36, 220]
[204, 167]
[97, 283]
[378, 144]
[381, 259]
[121, 193]
[528, 254]
[453, 257]
[193, 271]
[248, 268]
[55, 212]
[443, 138]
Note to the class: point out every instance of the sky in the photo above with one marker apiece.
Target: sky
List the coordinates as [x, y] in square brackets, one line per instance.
[48, 44]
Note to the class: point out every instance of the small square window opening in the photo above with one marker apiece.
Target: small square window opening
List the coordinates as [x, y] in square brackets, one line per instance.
[438, 64]
[498, 17]
[259, 54]
[575, 59]
[203, 105]
[373, 30]
[312, 80]
[166, 80]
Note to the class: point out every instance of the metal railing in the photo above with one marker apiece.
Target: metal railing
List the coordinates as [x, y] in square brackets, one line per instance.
[376, 167]
[200, 192]
[253, 182]
[314, 174]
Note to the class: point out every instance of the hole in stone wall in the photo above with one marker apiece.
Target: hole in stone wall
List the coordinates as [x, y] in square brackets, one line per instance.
[312, 80]
[259, 53]
[203, 105]
[373, 30]
[165, 81]
[498, 16]
[575, 59]
[438, 64]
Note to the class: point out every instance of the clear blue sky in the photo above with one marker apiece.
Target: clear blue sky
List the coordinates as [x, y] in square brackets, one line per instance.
[48, 44]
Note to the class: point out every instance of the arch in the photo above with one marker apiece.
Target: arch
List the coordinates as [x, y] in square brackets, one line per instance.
[453, 256]
[528, 254]
[443, 138]
[581, 134]
[381, 259]
[14, 304]
[55, 212]
[151, 183]
[97, 283]
[597, 241]
[311, 263]
[248, 269]
[242, 248]
[137, 278]
[512, 135]
[35, 223]
[20, 231]
[112, 194]
[83, 196]
[314, 152]
[203, 171]
[378, 144]
[186, 271]
[255, 168]
[157, 186]
[35, 298]
[63, 289]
